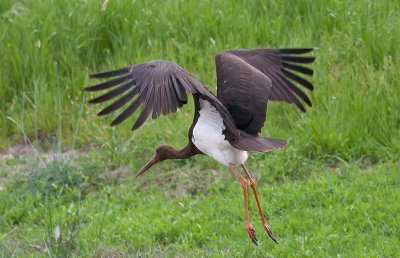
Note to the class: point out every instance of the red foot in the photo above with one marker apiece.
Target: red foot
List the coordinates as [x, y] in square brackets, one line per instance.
[252, 234]
[269, 232]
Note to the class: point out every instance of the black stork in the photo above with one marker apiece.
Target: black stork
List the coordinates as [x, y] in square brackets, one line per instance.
[225, 127]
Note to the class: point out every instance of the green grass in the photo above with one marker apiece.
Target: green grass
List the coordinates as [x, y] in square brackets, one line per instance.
[356, 101]
[347, 211]
[332, 192]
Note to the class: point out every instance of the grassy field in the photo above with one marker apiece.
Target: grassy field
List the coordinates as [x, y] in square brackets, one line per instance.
[333, 191]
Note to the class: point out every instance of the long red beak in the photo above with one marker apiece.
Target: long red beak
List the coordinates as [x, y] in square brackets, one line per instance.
[154, 160]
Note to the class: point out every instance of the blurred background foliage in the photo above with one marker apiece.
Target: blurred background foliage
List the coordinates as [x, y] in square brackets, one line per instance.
[48, 49]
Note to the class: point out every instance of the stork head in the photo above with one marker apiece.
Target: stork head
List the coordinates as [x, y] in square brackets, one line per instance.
[162, 153]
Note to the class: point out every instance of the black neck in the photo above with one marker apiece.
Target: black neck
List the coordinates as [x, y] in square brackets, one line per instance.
[188, 151]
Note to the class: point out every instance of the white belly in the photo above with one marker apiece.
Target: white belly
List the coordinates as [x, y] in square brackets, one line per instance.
[208, 137]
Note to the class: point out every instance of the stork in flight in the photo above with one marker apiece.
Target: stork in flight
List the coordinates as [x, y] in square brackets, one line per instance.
[225, 127]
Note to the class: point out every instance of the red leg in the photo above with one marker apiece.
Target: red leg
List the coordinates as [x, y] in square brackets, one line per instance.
[253, 187]
[249, 227]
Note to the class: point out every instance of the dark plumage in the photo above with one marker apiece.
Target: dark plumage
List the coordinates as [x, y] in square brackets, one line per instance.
[246, 80]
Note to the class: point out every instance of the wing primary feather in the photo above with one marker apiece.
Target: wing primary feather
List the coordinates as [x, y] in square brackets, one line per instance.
[120, 102]
[297, 102]
[180, 90]
[298, 79]
[108, 84]
[281, 89]
[157, 102]
[298, 59]
[168, 107]
[148, 104]
[296, 90]
[111, 73]
[295, 50]
[130, 109]
[113, 93]
[286, 94]
[153, 93]
[185, 85]
[189, 81]
[298, 68]
[175, 97]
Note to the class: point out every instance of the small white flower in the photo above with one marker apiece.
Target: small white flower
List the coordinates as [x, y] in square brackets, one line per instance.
[57, 233]
[104, 6]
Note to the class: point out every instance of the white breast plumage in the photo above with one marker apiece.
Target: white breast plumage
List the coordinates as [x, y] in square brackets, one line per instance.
[208, 137]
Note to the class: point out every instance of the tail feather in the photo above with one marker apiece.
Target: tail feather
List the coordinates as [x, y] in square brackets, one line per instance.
[258, 144]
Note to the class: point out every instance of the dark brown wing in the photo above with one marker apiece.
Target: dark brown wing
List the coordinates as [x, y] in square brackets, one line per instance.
[160, 86]
[260, 144]
[244, 91]
[278, 65]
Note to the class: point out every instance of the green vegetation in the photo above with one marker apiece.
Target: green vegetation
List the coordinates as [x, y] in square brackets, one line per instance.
[333, 191]
[193, 211]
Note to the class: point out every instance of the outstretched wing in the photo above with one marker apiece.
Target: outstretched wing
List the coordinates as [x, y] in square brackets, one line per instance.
[245, 92]
[160, 86]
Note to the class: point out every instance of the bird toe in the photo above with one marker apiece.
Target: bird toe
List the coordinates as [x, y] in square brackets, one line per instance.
[252, 234]
[269, 232]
